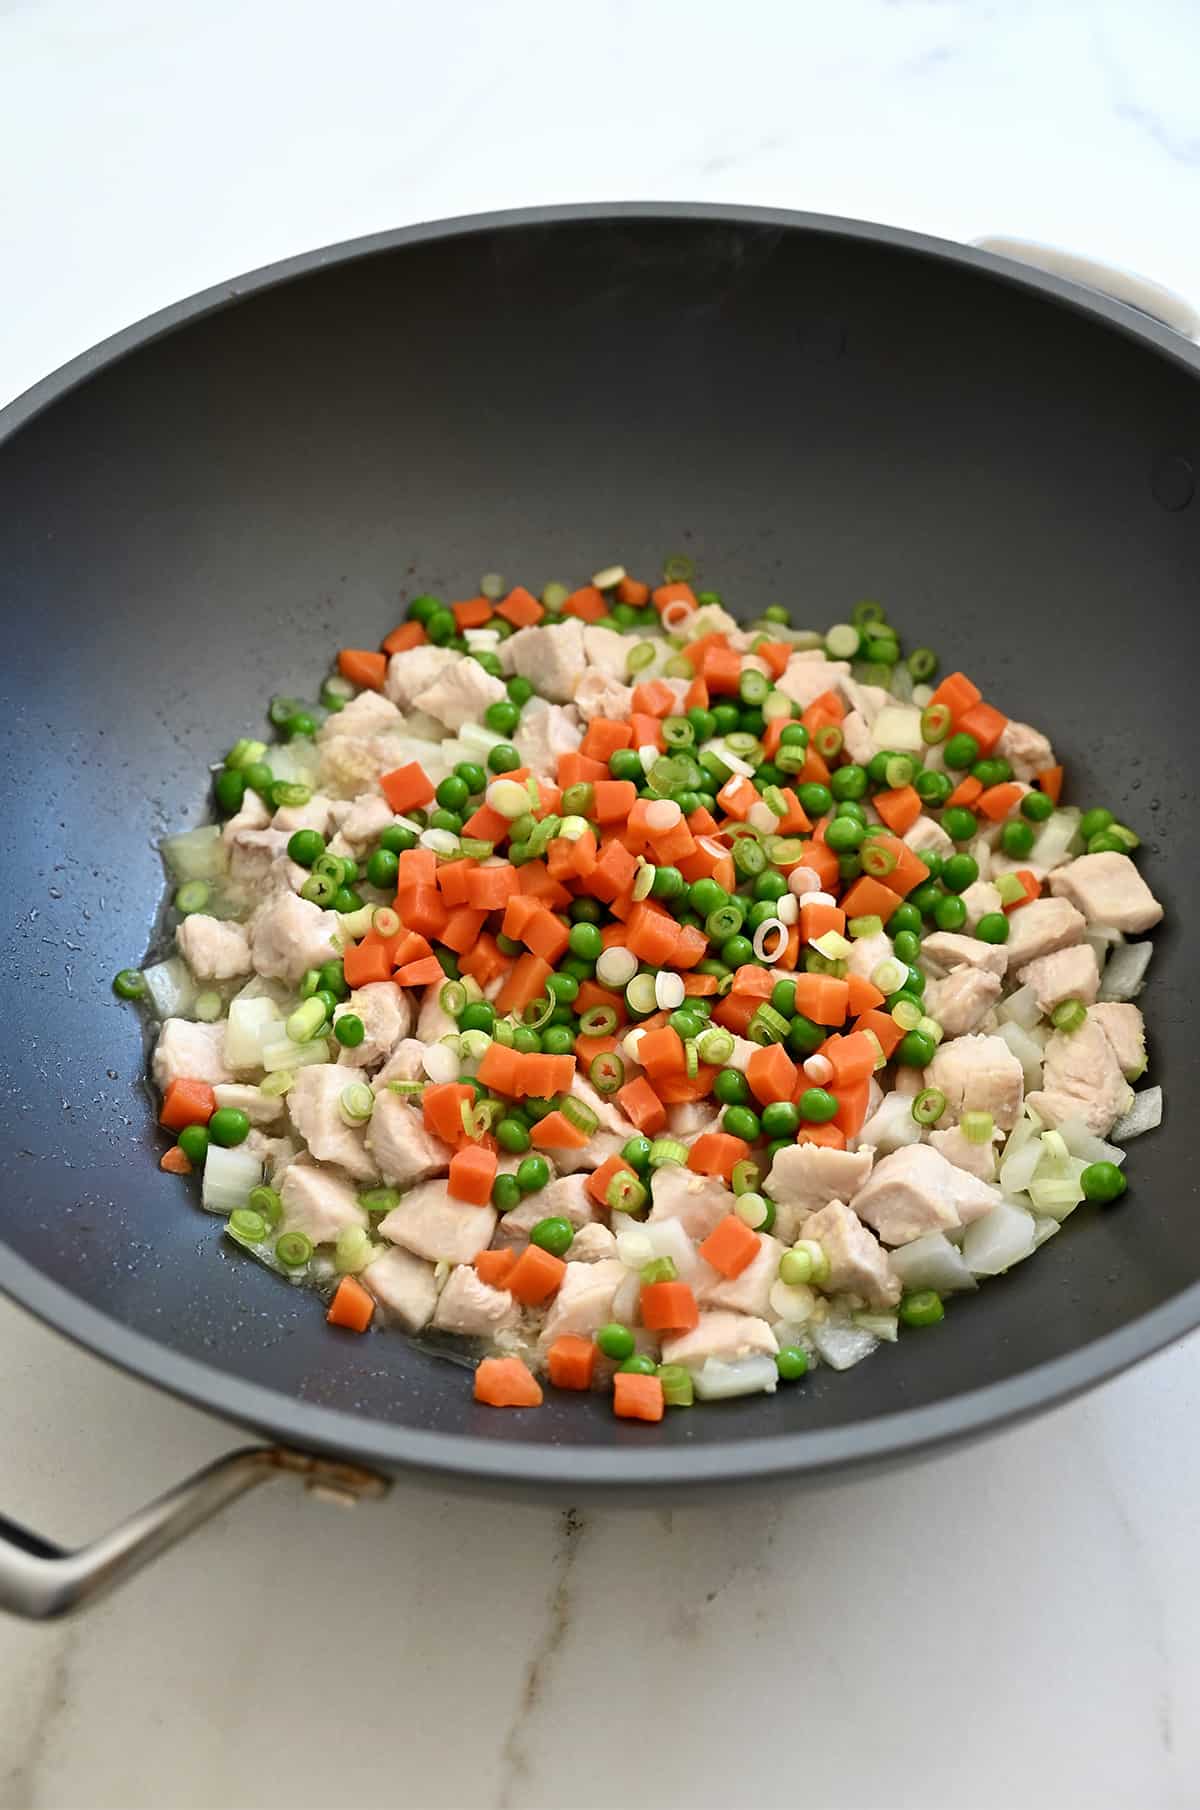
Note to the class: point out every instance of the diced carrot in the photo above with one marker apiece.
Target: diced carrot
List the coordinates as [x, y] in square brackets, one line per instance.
[546, 936]
[653, 697]
[696, 650]
[597, 1183]
[735, 1013]
[526, 983]
[486, 824]
[730, 1247]
[637, 1397]
[498, 1067]
[587, 603]
[668, 1307]
[578, 769]
[556, 1132]
[853, 1060]
[814, 771]
[535, 1276]
[490, 888]
[776, 654]
[425, 910]
[632, 590]
[441, 1108]
[824, 710]
[1050, 779]
[998, 801]
[546, 1075]
[795, 820]
[188, 1102]
[883, 1026]
[603, 737]
[675, 592]
[852, 1107]
[472, 1172]
[351, 1307]
[674, 844]
[537, 882]
[519, 912]
[651, 935]
[818, 919]
[571, 1361]
[646, 730]
[822, 997]
[701, 822]
[409, 946]
[716, 1153]
[416, 867]
[824, 864]
[507, 1383]
[699, 986]
[661, 1053]
[473, 613]
[965, 793]
[721, 670]
[1032, 885]
[696, 696]
[367, 961]
[986, 724]
[521, 608]
[452, 881]
[175, 1161]
[407, 788]
[830, 1136]
[957, 693]
[691, 946]
[738, 797]
[613, 873]
[403, 639]
[486, 962]
[613, 799]
[423, 973]
[771, 1073]
[862, 995]
[640, 1103]
[870, 898]
[461, 929]
[899, 808]
[908, 872]
[680, 1090]
[362, 667]
[493, 1267]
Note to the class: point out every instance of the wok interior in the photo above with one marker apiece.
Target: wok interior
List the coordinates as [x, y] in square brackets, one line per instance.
[813, 418]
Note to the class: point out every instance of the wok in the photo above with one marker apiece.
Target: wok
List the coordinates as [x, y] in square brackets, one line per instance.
[195, 514]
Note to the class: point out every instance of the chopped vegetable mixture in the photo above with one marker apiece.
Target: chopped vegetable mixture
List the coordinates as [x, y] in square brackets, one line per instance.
[664, 1006]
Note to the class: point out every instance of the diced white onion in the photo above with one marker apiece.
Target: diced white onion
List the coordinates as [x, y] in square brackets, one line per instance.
[1125, 971]
[787, 909]
[898, 727]
[251, 1025]
[1020, 1165]
[669, 990]
[1001, 1238]
[838, 1344]
[668, 1238]
[571, 829]
[1020, 1008]
[170, 987]
[770, 927]
[616, 966]
[1053, 844]
[481, 640]
[440, 1062]
[718, 1381]
[1043, 1228]
[633, 1246]
[762, 818]
[229, 1175]
[1144, 1115]
[818, 1069]
[879, 1325]
[509, 797]
[196, 854]
[1083, 1143]
[1055, 1197]
[478, 738]
[297, 762]
[442, 842]
[922, 695]
[931, 1261]
[792, 1301]
[1027, 1052]
[356, 923]
[803, 882]
[627, 1298]
[662, 814]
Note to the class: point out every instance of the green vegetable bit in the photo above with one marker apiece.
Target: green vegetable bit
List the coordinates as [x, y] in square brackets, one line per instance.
[923, 1308]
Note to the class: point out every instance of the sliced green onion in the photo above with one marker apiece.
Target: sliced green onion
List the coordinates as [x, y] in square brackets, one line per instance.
[554, 595]
[929, 1105]
[453, 998]
[828, 740]
[818, 1261]
[306, 1021]
[475, 848]
[922, 663]
[598, 1021]
[538, 1012]
[643, 881]
[775, 801]
[861, 927]
[767, 1025]
[678, 569]
[492, 586]
[753, 687]
[678, 732]
[293, 1250]
[724, 922]
[746, 1176]
[899, 770]
[379, 1200]
[1070, 1015]
[353, 1251]
[691, 1059]
[245, 754]
[289, 794]
[129, 984]
[266, 1202]
[473, 1045]
[278, 1083]
[579, 1114]
[841, 642]
[784, 851]
[935, 723]
[356, 1103]
[659, 1269]
[410, 1088]
[678, 667]
[889, 975]
[977, 1127]
[678, 1389]
[320, 889]
[247, 1226]
[743, 745]
[607, 1072]
[749, 857]
[640, 656]
[625, 1193]
[929, 1027]
[193, 895]
[790, 758]
[664, 1151]
[477, 1120]
[715, 1045]
[385, 922]
[906, 1013]
[640, 995]
[208, 1007]
[752, 1209]
[878, 860]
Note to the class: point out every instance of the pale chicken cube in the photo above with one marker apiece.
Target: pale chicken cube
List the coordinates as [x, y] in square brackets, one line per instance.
[962, 1001]
[253, 814]
[917, 1190]
[259, 1108]
[460, 693]
[699, 1202]
[213, 948]
[319, 1202]
[866, 953]
[978, 1074]
[386, 1013]
[584, 1302]
[370, 713]
[365, 821]
[258, 863]
[192, 1052]
[429, 1222]
[858, 743]
[598, 694]
[473, 1308]
[1026, 750]
[550, 658]
[927, 837]
[313, 1103]
[946, 950]
[402, 1149]
[858, 1263]
[404, 1286]
[564, 1198]
[1082, 1078]
[592, 1243]
[351, 764]
[1067, 974]
[891, 1125]
[1108, 889]
[414, 671]
[544, 733]
[749, 1293]
[867, 700]
[275, 1154]
[433, 1020]
[1125, 1029]
[606, 651]
[805, 1177]
[609, 1116]
[977, 1159]
[404, 1063]
[599, 1147]
[980, 899]
[804, 680]
[692, 1119]
[720, 1334]
[318, 814]
[1040, 928]
[289, 935]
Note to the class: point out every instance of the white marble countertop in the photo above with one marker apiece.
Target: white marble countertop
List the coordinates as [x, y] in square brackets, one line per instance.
[1015, 1624]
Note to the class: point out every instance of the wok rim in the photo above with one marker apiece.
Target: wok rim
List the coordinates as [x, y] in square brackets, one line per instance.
[572, 1469]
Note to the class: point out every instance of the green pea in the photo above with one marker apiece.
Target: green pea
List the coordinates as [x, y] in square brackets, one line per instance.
[741, 1122]
[803, 1036]
[791, 1362]
[907, 945]
[770, 886]
[959, 872]
[736, 951]
[703, 722]
[849, 783]
[793, 735]
[526, 1041]
[397, 838]
[959, 823]
[553, 1234]
[1093, 821]
[563, 987]
[422, 608]
[639, 1365]
[780, 1119]
[442, 819]
[925, 896]
[345, 899]
[519, 690]
[992, 772]
[923, 1308]
[229, 789]
[905, 917]
[933, 788]
[503, 758]
[686, 1023]
[129, 984]
[730, 1087]
[1037, 807]
[817, 1105]
[625, 763]
[960, 751]
[815, 799]
[300, 723]
[472, 776]
[441, 627]
[636, 1152]
[992, 927]
[193, 1141]
[950, 913]
[1016, 838]
[783, 997]
[915, 1049]
[577, 968]
[502, 717]
[586, 941]
[558, 1040]
[1103, 1182]
[349, 1030]
[616, 1341]
[844, 835]
[382, 869]
[668, 883]
[228, 1126]
[506, 1193]
[478, 1015]
[533, 1174]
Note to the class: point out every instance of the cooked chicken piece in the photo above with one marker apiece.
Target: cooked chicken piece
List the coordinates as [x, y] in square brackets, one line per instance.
[288, 935]
[927, 837]
[564, 1198]
[213, 949]
[473, 1308]
[365, 822]
[551, 658]
[370, 713]
[980, 899]
[1040, 928]
[1026, 750]
[609, 1116]
[319, 1202]
[318, 814]
[946, 950]
[1125, 1029]
[596, 694]
[977, 1159]
[691, 1120]
[805, 1177]
[592, 1242]
[978, 1074]
[461, 693]
[866, 953]
[1067, 974]
[411, 672]
[857, 741]
[386, 1014]
[699, 1202]
[720, 1334]
[259, 864]
[433, 1021]
[858, 1263]
[962, 1001]
[917, 1190]
[749, 1293]
[544, 732]
[607, 651]
[1108, 889]
[1081, 1078]
[584, 1302]
[253, 814]
[399, 1143]
[804, 680]
[259, 1108]
[404, 1285]
[313, 1103]
[187, 1051]
[890, 1124]
[275, 1154]
[404, 1063]
[430, 1223]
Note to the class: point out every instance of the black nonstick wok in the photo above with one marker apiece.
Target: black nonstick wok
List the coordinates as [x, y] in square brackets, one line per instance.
[194, 515]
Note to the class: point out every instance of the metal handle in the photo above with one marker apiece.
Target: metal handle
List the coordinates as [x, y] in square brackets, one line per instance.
[41, 1581]
[1139, 292]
